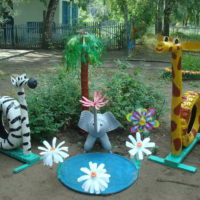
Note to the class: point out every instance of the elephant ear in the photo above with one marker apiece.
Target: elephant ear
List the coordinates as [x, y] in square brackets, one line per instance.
[112, 122]
[85, 118]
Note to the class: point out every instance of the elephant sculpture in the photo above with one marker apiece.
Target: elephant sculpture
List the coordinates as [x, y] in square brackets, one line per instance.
[97, 126]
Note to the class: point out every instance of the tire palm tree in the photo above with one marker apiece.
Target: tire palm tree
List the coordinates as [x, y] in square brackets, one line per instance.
[83, 49]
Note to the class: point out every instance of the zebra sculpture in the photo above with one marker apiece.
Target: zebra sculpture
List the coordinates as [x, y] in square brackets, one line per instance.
[16, 113]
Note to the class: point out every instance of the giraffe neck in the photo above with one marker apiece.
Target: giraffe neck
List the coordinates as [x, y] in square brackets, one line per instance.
[176, 135]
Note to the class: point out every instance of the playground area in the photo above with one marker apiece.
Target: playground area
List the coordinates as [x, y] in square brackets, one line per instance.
[155, 181]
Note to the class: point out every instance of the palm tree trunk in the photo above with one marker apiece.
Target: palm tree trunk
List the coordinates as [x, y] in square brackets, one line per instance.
[84, 81]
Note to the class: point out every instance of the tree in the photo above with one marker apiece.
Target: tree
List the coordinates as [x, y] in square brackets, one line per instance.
[47, 23]
[159, 16]
[6, 7]
[84, 48]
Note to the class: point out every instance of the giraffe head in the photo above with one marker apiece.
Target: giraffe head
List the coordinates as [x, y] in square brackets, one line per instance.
[20, 81]
[167, 44]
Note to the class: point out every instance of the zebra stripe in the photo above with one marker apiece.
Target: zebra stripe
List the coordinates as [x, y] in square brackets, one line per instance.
[15, 129]
[16, 136]
[22, 120]
[7, 100]
[15, 119]
[26, 134]
[20, 93]
[10, 143]
[9, 107]
[23, 107]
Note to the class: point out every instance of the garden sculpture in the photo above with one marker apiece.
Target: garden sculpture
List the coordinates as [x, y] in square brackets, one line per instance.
[97, 125]
[87, 49]
[142, 120]
[16, 113]
[185, 109]
[52, 153]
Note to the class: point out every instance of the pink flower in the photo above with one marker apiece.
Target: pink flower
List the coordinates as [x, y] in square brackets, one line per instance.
[97, 103]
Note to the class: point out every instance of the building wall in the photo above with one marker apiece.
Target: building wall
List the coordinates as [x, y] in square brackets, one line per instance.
[32, 11]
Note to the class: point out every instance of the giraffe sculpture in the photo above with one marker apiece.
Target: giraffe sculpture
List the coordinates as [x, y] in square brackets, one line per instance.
[185, 110]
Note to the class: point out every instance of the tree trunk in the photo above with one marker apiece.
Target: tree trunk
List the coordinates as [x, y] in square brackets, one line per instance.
[47, 24]
[159, 11]
[84, 82]
[167, 12]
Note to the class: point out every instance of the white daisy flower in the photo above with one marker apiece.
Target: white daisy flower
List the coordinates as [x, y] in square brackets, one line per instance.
[96, 178]
[138, 147]
[53, 154]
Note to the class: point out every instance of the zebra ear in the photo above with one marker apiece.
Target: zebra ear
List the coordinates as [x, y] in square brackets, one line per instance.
[13, 80]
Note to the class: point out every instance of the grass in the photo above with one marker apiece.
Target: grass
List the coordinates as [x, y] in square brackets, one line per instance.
[191, 62]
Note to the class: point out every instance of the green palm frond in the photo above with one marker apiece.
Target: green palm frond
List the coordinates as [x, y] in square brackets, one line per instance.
[80, 47]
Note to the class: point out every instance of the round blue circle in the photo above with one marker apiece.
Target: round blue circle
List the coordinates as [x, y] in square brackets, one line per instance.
[123, 172]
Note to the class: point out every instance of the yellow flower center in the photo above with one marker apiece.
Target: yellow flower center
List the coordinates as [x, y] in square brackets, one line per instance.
[52, 149]
[93, 174]
[139, 144]
[142, 121]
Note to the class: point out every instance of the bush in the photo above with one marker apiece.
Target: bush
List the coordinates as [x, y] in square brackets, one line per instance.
[125, 91]
[190, 68]
[191, 62]
[54, 103]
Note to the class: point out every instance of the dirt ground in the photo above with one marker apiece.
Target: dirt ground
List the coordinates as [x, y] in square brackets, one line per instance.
[155, 181]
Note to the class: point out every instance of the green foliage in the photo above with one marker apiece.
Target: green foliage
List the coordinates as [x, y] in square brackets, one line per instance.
[186, 37]
[141, 12]
[54, 104]
[125, 91]
[191, 64]
[84, 46]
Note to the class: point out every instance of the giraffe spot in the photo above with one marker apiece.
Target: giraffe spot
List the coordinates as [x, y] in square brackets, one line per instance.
[184, 98]
[170, 49]
[179, 64]
[177, 143]
[173, 126]
[178, 48]
[173, 74]
[177, 109]
[174, 56]
[192, 93]
[175, 90]
[185, 113]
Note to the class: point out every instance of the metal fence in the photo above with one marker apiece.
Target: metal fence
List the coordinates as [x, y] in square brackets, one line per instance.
[30, 35]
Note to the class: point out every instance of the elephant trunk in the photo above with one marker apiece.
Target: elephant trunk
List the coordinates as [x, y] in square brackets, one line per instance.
[95, 120]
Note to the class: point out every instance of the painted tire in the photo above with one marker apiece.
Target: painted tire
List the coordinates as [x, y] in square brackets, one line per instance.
[12, 138]
[190, 116]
